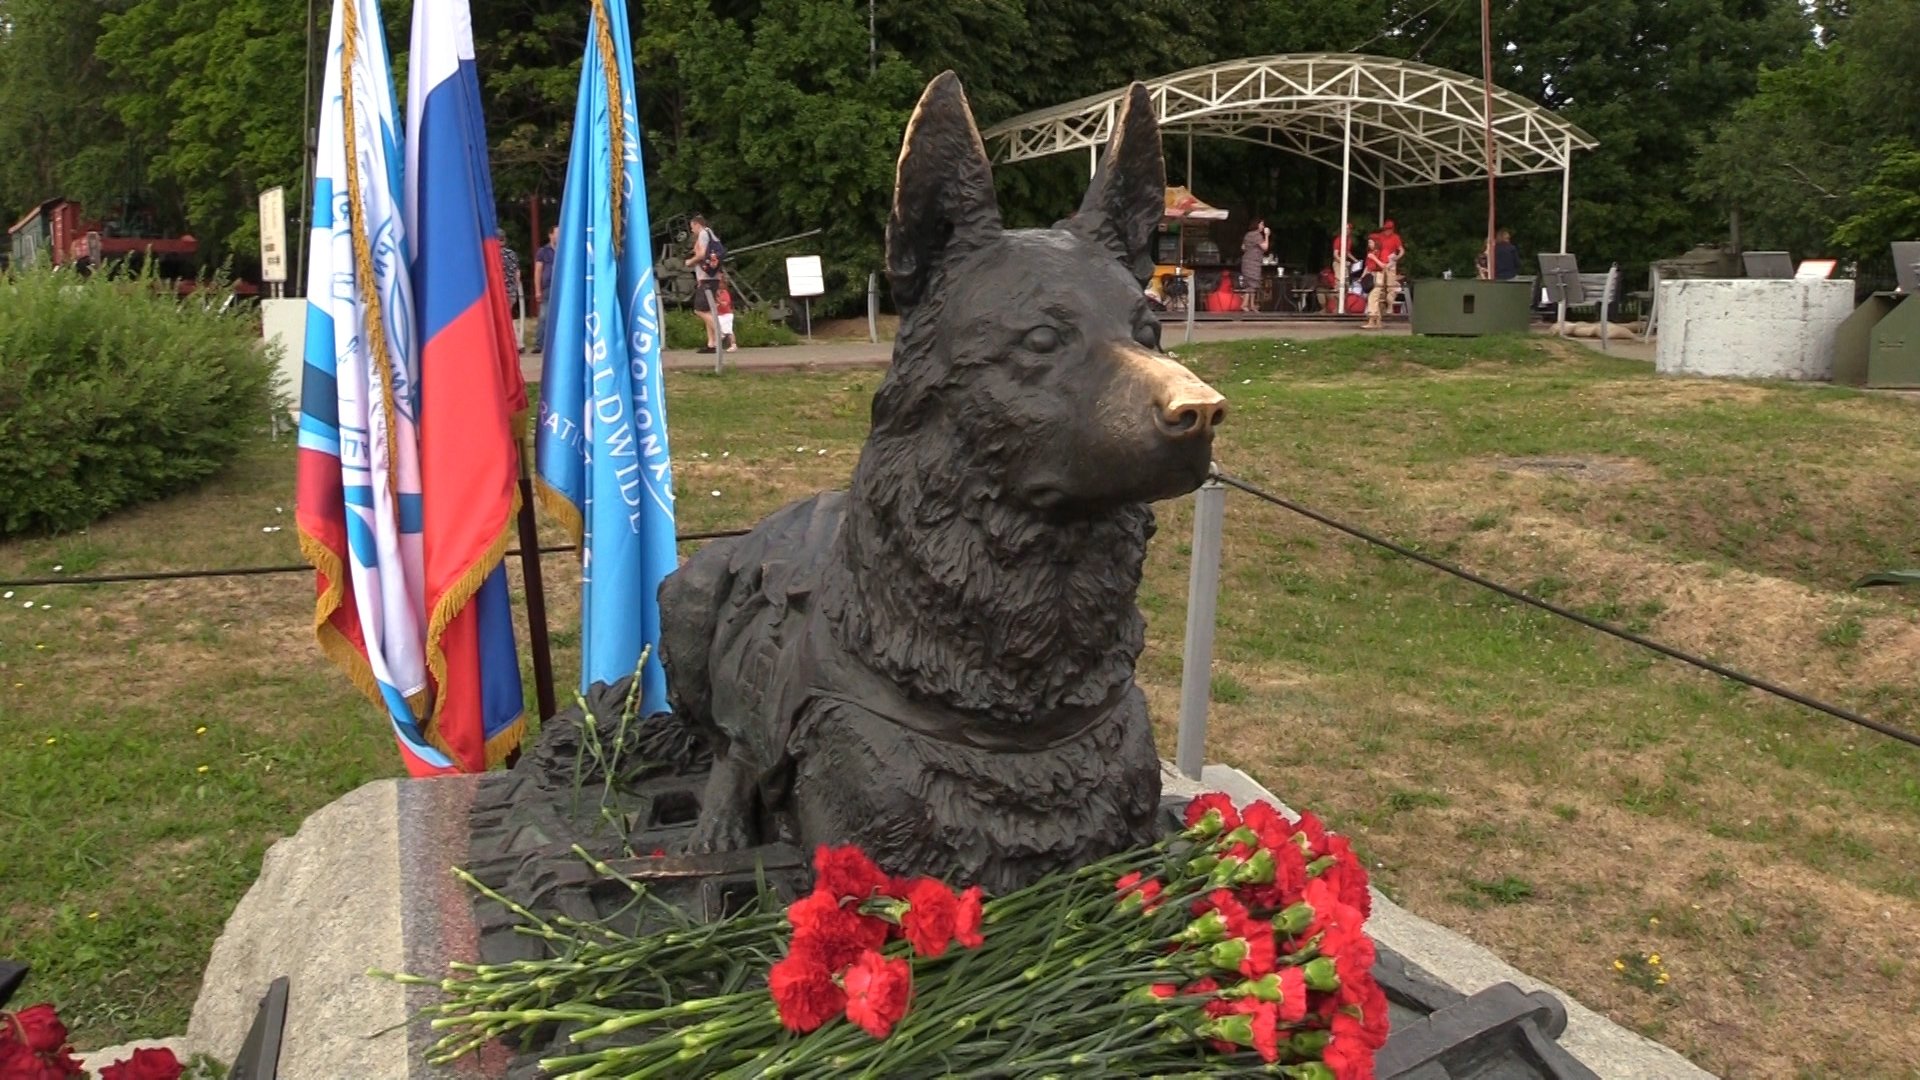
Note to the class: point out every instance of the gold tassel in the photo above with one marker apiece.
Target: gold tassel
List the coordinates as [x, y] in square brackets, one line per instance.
[616, 120]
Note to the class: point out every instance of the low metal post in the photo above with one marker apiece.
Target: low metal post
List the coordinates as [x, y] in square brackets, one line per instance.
[1196, 665]
[873, 308]
[1193, 297]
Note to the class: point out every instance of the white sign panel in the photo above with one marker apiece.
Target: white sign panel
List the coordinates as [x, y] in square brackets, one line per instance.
[273, 235]
[804, 276]
[1816, 269]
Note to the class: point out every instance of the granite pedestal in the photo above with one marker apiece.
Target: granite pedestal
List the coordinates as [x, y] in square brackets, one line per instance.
[366, 884]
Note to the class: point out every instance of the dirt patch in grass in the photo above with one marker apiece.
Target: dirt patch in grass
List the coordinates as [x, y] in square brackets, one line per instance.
[1579, 468]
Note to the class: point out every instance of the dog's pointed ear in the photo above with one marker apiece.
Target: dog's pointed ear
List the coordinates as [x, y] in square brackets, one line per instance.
[943, 201]
[1128, 196]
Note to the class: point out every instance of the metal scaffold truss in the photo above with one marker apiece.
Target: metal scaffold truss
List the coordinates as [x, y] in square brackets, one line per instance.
[1391, 123]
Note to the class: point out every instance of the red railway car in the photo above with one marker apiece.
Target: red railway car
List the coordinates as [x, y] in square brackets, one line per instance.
[57, 230]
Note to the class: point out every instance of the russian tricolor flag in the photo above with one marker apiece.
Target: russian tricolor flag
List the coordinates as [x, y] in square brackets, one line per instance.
[472, 396]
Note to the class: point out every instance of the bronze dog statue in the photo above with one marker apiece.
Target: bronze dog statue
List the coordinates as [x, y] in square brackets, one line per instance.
[937, 664]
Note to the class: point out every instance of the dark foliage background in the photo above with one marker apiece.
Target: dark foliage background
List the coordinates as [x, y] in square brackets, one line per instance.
[775, 117]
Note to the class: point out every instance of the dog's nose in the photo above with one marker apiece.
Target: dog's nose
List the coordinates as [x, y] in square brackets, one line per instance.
[1190, 410]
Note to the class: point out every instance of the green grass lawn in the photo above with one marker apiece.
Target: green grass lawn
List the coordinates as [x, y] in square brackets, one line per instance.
[1567, 799]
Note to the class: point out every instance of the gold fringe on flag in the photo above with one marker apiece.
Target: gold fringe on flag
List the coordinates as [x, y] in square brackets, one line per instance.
[451, 603]
[333, 644]
[616, 120]
[376, 326]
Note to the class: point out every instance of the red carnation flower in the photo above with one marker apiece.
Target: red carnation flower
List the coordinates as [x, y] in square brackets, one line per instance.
[878, 990]
[1348, 1055]
[1359, 993]
[1260, 951]
[1213, 800]
[1293, 995]
[1230, 908]
[150, 1063]
[1266, 1029]
[1352, 951]
[1269, 823]
[804, 991]
[1348, 875]
[930, 919]
[19, 1062]
[1329, 913]
[1314, 833]
[40, 1029]
[833, 933]
[1162, 990]
[967, 918]
[1289, 881]
[845, 872]
[1149, 889]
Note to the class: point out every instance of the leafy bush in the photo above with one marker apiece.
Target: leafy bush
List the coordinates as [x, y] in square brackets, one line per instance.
[751, 330]
[113, 391]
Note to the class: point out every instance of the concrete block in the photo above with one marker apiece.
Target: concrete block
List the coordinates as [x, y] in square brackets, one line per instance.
[283, 322]
[1751, 329]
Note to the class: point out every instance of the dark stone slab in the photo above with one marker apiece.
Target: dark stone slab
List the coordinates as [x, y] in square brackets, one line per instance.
[524, 828]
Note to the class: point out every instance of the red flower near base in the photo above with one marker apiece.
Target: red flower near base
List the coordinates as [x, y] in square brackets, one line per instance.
[833, 933]
[1147, 888]
[1197, 809]
[1349, 1055]
[878, 990]
[39, 1027]
[847, 873]
[804, 992]
[967, 919]
[33, 1046]
[932, 915]
[151, 1063]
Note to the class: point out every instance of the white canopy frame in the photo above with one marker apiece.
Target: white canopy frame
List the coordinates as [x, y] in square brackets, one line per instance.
[1394, 124]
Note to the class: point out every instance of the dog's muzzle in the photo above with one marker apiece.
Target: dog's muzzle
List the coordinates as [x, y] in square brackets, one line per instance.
[1184, 407]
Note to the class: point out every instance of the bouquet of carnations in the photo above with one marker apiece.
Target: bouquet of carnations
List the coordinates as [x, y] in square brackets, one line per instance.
[33, 1046]
[1236, 946]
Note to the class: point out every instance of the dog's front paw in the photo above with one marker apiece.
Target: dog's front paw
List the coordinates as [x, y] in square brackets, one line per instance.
[719, 831]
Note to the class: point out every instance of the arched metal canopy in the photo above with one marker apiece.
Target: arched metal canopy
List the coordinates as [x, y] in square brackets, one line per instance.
[1406, 124]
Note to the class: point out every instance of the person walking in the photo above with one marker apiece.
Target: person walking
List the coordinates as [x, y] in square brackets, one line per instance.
[705, 261]
[1253, 256]
[543, 284]
[516, 296]
[1374, 277]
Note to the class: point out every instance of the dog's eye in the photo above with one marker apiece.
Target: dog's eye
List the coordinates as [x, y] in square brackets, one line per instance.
[1148, 334]
[1042, 339]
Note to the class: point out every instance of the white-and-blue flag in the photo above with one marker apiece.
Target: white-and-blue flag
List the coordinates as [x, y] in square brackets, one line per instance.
[602, 444]
[358, 506]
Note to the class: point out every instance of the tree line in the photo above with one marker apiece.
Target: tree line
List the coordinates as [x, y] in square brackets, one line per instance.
[778, 116]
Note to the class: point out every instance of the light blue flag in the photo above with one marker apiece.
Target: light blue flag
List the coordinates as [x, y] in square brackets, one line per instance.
[602, 447]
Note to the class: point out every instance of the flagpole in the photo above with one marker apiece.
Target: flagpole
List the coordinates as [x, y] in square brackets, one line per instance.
[1486, 87]
[308, 145]
[536, 594]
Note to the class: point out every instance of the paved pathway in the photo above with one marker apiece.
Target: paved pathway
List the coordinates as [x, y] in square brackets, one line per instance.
[853, 354]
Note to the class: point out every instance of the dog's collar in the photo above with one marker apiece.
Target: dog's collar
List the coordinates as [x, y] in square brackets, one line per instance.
[829, 673]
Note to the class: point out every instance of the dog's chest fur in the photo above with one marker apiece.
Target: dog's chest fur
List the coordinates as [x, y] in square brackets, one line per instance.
[923, 805]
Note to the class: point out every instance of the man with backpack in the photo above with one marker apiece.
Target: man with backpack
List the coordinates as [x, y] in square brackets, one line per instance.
[708, 261]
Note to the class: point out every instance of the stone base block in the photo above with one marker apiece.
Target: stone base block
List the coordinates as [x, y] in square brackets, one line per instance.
[1751, 329]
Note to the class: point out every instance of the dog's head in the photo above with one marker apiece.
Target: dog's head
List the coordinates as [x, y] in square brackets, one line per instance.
[1036, 347]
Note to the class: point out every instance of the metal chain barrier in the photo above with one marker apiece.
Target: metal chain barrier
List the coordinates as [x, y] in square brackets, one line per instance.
[290, 568]
[1622, 633]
